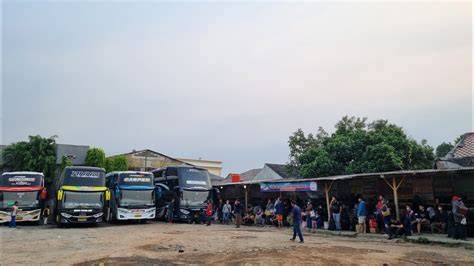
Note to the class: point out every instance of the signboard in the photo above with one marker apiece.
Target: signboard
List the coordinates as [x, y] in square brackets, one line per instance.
[21, 180]
[85, 174]
[294, 186]
[196, 182]
[13, 180]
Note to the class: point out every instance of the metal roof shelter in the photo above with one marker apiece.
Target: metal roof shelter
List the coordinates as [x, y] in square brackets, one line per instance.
[393, 179]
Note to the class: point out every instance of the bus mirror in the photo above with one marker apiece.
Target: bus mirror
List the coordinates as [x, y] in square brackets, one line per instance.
[107, 195]
[43, 194]
[60, 195]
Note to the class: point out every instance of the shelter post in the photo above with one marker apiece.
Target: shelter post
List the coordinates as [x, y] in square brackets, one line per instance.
[326, 190]
[246, 197]
[394, 186]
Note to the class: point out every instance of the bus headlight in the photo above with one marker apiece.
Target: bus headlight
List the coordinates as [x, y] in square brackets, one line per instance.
[97, 215]
[66, 215]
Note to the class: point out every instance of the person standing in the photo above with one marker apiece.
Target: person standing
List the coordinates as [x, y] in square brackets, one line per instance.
[170, 211]
[237, 213]
[220, 215]
[46, 215]
[226, 210]
[308, 212]
[361, 215]
[296, 213]
[13, 212]
[209, 212]
[336, 210]
[378, 209]
[279, 210]
[459, 212]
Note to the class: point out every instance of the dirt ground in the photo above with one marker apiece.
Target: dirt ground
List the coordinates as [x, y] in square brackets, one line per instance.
[159, 243]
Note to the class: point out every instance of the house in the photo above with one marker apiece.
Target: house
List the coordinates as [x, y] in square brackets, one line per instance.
[214, 167]
[145, 160]
[268, 172]
[462, 155]
[76, 153]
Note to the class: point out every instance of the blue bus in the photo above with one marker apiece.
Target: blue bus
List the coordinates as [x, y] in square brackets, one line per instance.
[133, 196]
[190, 187]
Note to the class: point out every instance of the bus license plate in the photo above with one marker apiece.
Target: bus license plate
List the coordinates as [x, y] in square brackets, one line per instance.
[138, 215]
[82, 219]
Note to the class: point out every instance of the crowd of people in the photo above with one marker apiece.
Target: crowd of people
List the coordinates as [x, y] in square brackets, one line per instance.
[375, 216]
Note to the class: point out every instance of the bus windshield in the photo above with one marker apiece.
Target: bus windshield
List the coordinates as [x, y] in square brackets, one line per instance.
[136, 179]
[74, 199]
[25, 199]
[84, 177]
[136, 197]
[192, 177]
[13, 180]
[194, 197]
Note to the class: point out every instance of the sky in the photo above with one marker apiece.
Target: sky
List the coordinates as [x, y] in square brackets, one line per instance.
[231, 81]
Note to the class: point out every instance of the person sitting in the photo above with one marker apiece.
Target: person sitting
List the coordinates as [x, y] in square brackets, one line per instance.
[396, 229]
[440, 219]
[421, 218]
[259, 218]
[249, 218]
[373, 224]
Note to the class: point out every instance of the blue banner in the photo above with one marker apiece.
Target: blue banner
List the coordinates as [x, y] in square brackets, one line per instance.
[288, 186]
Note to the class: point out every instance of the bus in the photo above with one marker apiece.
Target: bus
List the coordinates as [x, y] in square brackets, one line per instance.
[132, 196]
[190, 187]
[28, 189]
[80, 196]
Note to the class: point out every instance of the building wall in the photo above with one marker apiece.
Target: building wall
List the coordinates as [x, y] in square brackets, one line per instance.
[214, 167]
[137, 161]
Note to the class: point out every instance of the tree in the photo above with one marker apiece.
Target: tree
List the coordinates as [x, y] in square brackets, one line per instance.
[358, 147]
[65, 162]
[37, 154]
[95, 157]
[116, 163]
[443, 149]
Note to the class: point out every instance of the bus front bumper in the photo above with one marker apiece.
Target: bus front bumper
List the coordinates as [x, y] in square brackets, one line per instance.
[136, 214]
[22, 216]
[89, 218]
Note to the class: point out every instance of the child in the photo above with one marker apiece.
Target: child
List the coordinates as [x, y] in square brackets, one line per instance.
[13, 213]
[45, 215]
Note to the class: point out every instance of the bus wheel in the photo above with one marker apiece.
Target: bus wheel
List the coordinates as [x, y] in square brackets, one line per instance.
[58, 221]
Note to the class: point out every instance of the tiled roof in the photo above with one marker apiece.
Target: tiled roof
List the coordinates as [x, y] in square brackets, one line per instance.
[250, 174]
[280, 169]
[465, 147]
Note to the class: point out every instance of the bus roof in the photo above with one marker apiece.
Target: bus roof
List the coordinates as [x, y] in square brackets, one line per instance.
[126, 172]
[23, 173]
[85, 168]
[179, 166]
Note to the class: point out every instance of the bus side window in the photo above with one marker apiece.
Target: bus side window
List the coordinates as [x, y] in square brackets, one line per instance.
[172, 177]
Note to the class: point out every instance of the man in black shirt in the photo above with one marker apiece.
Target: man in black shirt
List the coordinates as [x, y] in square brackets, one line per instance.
[238, 213]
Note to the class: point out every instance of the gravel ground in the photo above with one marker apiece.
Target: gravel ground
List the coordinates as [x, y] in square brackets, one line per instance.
[158, 243]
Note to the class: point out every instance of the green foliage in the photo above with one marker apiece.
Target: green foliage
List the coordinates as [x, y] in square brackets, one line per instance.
[95, 157]
[37, 154]
[357, 147]
[65, 161]
[116, 163]
[443, 149]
